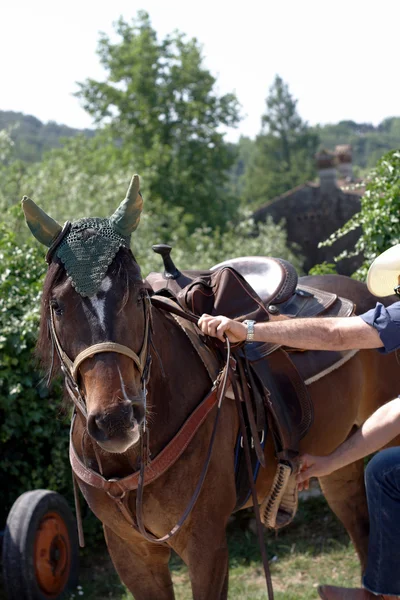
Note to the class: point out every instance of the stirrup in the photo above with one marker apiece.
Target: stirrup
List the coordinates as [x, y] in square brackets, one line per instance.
[279, 508]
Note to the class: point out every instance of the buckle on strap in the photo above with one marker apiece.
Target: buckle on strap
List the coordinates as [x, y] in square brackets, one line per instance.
[119, 496]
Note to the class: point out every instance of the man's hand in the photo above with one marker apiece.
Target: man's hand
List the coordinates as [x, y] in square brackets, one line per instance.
[313, 466]
[220, 327]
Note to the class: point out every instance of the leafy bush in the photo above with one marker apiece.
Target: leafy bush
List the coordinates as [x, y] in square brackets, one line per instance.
[379, 217]
[33, 435]
[323, 268]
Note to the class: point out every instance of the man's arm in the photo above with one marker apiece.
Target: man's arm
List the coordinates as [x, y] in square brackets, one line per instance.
[340, 333]
[380, 429]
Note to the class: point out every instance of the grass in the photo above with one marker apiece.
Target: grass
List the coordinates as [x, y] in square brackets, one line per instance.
[313, 549]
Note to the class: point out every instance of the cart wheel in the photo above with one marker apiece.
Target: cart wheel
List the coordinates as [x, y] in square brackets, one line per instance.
[40, 547]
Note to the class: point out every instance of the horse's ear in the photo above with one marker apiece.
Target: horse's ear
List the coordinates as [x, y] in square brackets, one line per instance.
[127, 216]
[44, 228]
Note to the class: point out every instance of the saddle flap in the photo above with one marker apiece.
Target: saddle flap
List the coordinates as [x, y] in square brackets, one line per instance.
[286, 396]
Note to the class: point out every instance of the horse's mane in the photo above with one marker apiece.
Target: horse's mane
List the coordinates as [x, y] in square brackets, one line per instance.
[123, 268]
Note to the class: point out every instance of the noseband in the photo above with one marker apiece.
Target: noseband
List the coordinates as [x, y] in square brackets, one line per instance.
[70, 368]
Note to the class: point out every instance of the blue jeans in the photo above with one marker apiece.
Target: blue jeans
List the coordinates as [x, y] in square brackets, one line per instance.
[382, 481]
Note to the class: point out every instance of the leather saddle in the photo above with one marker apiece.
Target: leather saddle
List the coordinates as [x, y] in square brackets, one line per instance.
[261, 288]
[242, 288]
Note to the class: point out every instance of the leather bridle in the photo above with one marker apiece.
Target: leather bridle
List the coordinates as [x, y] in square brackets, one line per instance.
[70, 368]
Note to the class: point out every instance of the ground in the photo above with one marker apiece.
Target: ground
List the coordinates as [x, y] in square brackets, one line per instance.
[313, 549]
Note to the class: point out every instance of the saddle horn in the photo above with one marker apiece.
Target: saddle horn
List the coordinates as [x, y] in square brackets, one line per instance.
[44, 228]
[127, 216]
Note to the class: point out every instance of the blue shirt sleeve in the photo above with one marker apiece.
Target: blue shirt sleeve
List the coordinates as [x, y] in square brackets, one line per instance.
[386, 321]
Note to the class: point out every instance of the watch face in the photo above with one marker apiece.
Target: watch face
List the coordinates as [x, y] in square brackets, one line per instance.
[250, 330]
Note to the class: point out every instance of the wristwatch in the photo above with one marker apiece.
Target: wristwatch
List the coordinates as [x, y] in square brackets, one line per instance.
[250, 329]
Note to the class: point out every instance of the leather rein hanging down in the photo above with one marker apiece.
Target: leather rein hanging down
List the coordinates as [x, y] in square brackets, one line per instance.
[117, 489]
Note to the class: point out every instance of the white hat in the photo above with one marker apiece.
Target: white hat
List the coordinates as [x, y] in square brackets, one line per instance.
[383, 274]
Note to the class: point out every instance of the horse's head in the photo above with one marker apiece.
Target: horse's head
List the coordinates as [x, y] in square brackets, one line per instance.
[95, 317]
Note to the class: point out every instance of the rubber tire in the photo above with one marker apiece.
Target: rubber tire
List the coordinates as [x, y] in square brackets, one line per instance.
[18, 544]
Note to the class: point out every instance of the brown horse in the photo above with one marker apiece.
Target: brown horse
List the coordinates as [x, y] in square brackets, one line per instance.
[111, 384]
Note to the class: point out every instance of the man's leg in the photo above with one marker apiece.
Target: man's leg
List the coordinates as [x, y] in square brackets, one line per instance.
[382, 480]
[382, 575]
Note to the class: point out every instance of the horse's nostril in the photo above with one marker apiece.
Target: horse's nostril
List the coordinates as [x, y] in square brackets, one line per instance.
[117, 421]
[137, 412]
[97, 427]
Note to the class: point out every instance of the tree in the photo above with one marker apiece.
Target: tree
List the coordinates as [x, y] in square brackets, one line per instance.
[159, 104]
[285, 148]
[12, 171]
[80, 180]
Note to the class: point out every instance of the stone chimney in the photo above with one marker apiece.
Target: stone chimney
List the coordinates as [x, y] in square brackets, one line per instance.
[344, 157]
[326, 165]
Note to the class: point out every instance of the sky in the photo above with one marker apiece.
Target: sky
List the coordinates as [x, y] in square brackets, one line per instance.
[340, 58]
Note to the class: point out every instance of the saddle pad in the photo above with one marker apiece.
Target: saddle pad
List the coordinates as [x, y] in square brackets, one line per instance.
[311, 302]
[315, 364]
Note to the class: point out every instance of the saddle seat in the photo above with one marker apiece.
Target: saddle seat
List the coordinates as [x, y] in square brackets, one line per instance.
[273, 279]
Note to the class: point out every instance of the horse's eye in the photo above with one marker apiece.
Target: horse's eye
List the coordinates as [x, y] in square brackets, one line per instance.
[56, 307]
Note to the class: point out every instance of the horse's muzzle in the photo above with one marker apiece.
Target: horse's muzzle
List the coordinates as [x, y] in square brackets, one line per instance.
[116, 428]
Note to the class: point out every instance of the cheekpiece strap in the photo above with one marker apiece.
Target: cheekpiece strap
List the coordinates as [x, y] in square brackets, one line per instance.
[73, 366]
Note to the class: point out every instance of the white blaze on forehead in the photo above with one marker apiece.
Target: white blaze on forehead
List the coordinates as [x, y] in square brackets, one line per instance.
[99, 303]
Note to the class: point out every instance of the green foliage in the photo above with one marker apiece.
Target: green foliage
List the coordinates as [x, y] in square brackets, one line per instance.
[379, 215]
[81, 180]
[323, 268]
[165, 117]
[284, 150]
[205, 248]
[12, 171]
[33, 435]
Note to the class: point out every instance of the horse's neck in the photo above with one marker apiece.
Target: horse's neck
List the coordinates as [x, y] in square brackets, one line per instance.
[178, 380]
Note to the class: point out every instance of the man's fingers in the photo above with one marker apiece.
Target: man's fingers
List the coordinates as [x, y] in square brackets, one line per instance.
[213, 326]
[304, 475]
[306, 470]
[216, 328]
[304, 485]
[221, 328]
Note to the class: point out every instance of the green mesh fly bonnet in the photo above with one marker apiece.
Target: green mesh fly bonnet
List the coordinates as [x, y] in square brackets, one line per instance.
[91, 244]
[87, 252]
